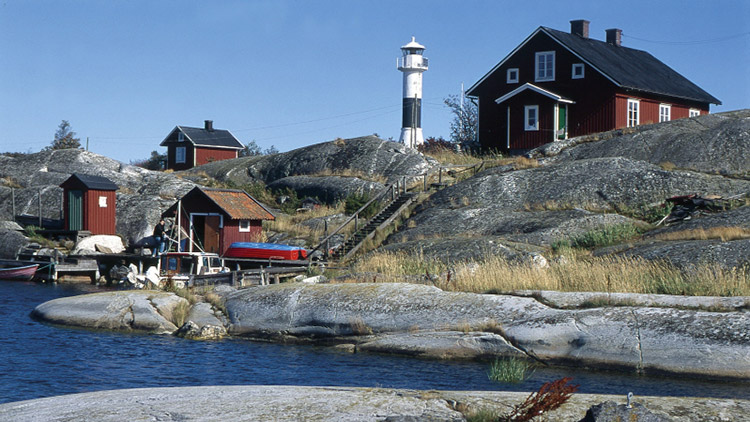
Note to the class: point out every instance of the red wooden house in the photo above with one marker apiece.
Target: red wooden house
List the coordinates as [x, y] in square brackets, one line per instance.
[216, 218]
[556, 85]
[89, 204]
[188, 147]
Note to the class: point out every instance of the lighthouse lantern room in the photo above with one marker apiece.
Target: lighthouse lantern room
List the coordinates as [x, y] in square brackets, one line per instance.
[412, 63]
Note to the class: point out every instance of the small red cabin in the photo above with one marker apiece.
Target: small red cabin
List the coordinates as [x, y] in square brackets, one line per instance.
[89, 203]
[188, 147]
[216, 218]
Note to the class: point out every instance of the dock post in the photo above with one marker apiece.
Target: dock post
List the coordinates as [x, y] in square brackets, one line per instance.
[40, 208]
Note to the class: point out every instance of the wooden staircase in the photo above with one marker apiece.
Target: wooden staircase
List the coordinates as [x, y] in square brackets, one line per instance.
[380, 221]
[395, 200]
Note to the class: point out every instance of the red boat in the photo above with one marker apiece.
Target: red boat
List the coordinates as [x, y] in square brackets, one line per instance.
[24, 273]
[265, 251]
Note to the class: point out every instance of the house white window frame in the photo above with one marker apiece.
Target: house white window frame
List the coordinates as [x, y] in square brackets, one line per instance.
[509, 75]
[102, 202]
[665, 112]
[548, 58]
[526, 112]
[244, 226]
[633, 118]
[694, 112]
[180, 155]
[577, 67]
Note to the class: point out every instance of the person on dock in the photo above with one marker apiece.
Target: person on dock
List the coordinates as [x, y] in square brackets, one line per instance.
[159, 238]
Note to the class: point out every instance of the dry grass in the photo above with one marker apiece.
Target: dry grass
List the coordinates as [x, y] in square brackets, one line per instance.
[584, 274]
[379, 178]
[520, 163]
[359, 327]
[216, 301]
[179, 313]
[291, 224]
[725, 234]
[667, 165]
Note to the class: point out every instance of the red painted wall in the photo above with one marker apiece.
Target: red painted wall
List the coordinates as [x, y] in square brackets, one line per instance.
[599, 105]
[231, 233]
[97, 219]
[208, 155]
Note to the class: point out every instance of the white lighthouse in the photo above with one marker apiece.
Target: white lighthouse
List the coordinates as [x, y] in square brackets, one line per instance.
[412, 63]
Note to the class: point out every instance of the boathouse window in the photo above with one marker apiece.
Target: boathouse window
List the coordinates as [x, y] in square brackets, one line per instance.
[244, 225]
[179, 155]
[513, 75]
[633, 113]
[577, 71]
[102, 202]
[545, 66]
[531, 117]
[665, 112]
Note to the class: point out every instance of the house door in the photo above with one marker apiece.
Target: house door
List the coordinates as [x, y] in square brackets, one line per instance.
[562, 121]
[75, 210]
[211, 233]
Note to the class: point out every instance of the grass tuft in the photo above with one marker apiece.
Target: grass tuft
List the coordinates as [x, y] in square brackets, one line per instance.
[510, 370]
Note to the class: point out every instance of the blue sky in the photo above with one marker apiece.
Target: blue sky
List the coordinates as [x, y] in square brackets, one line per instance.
[294, 73]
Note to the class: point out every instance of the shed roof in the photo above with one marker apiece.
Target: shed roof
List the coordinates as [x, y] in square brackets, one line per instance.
[237, 204]
[217, 138]
[89, 181]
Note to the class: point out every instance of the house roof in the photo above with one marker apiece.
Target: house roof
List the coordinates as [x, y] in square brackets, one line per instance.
[89, 182]
[627, 68]
[215, 138]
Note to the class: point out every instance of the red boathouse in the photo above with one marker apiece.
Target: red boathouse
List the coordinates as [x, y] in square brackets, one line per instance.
[216, 218]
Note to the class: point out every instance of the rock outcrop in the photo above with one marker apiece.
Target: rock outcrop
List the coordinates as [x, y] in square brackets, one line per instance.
[366, 156]
[141, 197]
[421, 320]
[150, 311]
[289, 403]
[328, 189]
[715, 144]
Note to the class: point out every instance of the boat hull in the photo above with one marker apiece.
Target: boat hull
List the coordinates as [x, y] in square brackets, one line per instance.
[24, 273]
[253, 250]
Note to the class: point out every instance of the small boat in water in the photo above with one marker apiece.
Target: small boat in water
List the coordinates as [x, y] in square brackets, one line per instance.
[25, 272]
[265, 251]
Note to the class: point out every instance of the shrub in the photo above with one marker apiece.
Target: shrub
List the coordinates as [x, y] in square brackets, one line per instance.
[355, 201]
[550, 396]
[605, 236]
[510, 370]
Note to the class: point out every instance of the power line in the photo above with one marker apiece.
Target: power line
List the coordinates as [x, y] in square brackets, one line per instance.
[696, 42]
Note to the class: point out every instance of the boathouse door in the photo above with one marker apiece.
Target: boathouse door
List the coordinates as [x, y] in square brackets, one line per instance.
[211, 233]
[75, 210]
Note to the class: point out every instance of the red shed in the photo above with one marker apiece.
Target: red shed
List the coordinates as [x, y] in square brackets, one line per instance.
[220, 217]
[89, 203]
[556, 85]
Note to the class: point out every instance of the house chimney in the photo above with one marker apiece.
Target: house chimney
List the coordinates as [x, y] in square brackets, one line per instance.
[580, 27]
[614, 36]
[209, 125]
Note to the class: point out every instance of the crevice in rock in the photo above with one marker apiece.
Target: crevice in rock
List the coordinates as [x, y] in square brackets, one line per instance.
[640, 343]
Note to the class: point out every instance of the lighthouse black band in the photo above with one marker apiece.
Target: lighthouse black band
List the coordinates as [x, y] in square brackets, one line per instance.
[412, 112]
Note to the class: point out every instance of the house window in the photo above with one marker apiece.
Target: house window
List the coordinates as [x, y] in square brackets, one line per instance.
[665, 112]
[513, 75]
[244, 226]
[545, 66]
[577, 71]
[180, 137]
[531, 117]
[633, 112]
[694, 112]
[179, 155]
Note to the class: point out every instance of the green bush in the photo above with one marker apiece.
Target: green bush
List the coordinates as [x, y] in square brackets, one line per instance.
[605, 236]
[355, 201]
